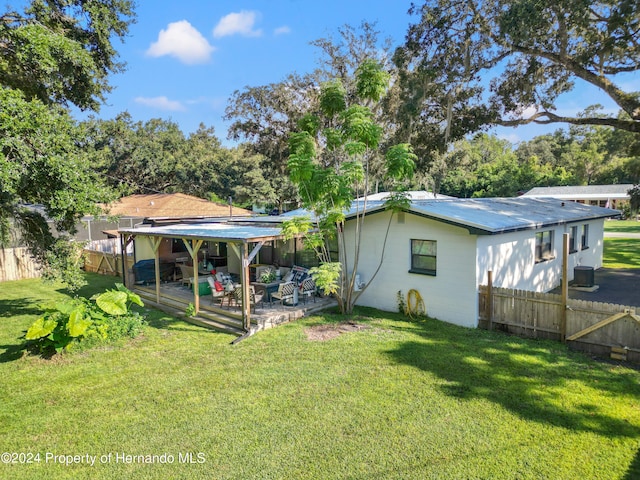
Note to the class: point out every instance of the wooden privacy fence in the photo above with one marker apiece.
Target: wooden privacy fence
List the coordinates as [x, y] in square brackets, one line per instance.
[105, 257]
[592, 327]
[17, 264]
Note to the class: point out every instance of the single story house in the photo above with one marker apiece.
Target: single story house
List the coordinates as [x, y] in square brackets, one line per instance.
[608, 196]
[444, 249]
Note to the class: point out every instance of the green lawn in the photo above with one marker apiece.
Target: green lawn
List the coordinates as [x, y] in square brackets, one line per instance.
[395, 400]
[621, 253]
[622, 226]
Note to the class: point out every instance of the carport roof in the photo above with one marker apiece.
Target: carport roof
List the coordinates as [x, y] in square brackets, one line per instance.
[224, 232]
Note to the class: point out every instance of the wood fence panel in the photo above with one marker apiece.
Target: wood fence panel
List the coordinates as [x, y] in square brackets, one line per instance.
[525, 313]
[105, 263]
[621, 333]
[17, 264]
[599, 328]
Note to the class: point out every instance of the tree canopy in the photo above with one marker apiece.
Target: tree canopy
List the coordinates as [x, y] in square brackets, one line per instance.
[55, 54]
[469, 64]
[331, 158]
[61, 51]
[265, 115]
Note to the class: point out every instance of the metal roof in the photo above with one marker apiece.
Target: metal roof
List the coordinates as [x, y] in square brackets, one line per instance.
[501, 215]
[595, 192]
[489, 216]
[480, 216]
[412, 195]
[213, 231]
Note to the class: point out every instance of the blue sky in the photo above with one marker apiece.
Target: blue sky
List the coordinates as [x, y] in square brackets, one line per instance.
[185, 59]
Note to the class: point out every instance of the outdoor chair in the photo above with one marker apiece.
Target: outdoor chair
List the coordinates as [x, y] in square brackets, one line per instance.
[217, 295]
[187, 274]
[308, 289]
[253, 297]
[285, 292]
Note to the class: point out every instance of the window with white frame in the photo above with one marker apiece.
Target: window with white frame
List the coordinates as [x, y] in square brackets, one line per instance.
[423, 256]
[544, 246]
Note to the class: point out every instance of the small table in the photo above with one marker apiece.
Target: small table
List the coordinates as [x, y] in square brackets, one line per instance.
[268, 288]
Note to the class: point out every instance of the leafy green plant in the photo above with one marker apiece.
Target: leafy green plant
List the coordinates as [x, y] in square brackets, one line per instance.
[268, 276]
[190, 311]
[105, 316]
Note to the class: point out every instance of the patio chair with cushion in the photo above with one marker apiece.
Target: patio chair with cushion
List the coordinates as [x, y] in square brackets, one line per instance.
[218, 292]
[253, 297]
[285, 292]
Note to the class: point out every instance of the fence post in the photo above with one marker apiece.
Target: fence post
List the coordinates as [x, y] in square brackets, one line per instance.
[565, 286]
[490, 298]
[123, 259]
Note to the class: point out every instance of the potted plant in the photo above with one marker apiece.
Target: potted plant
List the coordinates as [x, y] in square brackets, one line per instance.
[268, 276]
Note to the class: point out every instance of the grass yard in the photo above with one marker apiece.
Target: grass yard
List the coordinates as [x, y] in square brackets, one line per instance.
[622, 226]
[621, 253]
[393, 400]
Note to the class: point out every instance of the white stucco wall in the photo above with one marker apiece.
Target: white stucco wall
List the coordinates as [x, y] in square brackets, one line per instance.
[463, 260]
[450, 295]
[511, 257]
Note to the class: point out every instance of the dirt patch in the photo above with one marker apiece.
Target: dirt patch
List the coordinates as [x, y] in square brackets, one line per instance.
[320, 333]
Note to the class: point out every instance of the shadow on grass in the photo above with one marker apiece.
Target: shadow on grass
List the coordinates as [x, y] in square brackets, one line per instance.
[15, 307]
[633, 472]
[531, 379]
[11, 353]
[622, 252]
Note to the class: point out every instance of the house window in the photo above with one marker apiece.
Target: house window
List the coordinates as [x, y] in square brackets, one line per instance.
[423, 256]
[544, 246]
[573, 238]
[584, 243]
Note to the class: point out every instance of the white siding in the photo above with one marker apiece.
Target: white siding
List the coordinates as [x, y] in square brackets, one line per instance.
[511, 257]
[450, 295]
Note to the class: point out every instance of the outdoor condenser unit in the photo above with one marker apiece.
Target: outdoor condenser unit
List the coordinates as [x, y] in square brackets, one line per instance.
[583, 276]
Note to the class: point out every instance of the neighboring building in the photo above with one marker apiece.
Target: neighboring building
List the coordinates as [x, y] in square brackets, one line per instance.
[608, 196]
[444, 249]
[413, 195]
[134, 209]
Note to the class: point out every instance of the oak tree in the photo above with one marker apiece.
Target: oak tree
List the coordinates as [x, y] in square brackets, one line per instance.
[473, 63]
[54, 55]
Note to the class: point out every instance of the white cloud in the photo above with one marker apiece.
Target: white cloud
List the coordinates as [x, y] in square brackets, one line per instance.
[529, 111]
[282, 30]
[182, 41]
[241, 23]
[511, 138]
[161, 103]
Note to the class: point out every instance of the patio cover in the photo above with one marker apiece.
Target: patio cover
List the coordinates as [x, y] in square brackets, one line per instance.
[237, 235]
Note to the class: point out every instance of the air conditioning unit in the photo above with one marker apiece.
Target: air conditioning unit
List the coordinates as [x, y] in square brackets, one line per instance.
[583, 276]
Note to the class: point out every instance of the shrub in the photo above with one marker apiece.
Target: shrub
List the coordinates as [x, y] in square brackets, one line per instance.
[105, 316]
